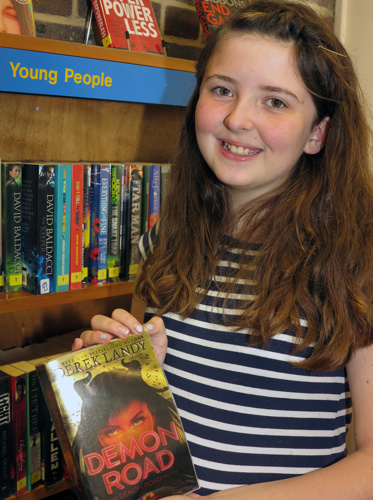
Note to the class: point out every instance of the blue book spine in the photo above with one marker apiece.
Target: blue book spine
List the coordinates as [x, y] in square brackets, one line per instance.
[105, 188]
[154, 194]
[62, 207]
[95, 222]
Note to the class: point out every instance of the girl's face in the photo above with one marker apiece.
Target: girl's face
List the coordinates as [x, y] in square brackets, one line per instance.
[254, 117]
[8, 18]
[132, 421]
[14, 173]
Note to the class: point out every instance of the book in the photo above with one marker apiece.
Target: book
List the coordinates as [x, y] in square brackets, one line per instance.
[62, 207]
[135, 446]
[6, 480]
[19, 18]
[136, 189]
[38, 228]
[33, 424]
[11, 222]
[51, 453]
[113, 254]
[154, 195]
[165, 176]
[105, 188]
[129, 24]
[124, 222]
[86, 222]
[18, 426]
[145, 198]
[95, 222]
[213, 13]
[76, 226]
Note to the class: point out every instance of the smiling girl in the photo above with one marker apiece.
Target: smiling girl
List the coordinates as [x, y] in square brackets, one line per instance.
[259, 274]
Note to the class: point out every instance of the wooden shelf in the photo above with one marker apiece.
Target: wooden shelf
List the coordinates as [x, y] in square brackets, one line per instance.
[43, 492]
[23, 301]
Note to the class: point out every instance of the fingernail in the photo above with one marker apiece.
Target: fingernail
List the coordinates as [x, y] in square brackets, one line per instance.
[149, 326]
[138, 328]
[123, 332]
[103, 336]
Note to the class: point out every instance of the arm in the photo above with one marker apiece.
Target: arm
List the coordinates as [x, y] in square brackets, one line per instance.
[349, 479]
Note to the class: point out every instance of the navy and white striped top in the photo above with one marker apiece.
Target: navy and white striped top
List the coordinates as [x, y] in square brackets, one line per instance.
[249, 415]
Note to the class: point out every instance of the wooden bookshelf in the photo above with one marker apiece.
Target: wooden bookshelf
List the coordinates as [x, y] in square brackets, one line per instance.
[64, 129]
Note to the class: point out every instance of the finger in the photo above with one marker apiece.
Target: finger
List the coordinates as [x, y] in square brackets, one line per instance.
[126, 319]
[92, 337]
[112, 326]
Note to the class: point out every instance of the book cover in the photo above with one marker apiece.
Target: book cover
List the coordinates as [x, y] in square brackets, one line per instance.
[136, 188]
[145, 198]
[19, 17]
[213, 13]
[11, 222]
[62, 215]
[6, 473]
[154, 195]
[33, 424]
[76, 227]
[38, 228]
[113, 255]
[134, 447]
[95, 222]
[105, 188]
[86, 222]
[128, 24]
[18, 426]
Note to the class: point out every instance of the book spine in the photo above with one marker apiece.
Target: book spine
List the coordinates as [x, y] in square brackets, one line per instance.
[33, 451]
[86, 223]
[77, 178]
[62, 206]
[46, 184]
[6, 480]
[51, 453]
[98, 10]
[30, 227]
[135, 229]
[124, 223]
[202, 17]
[145, 199]
[165, 175]
[95, 222]
[104, 224]
[60, 427]
[18, 400]
[11, 196]
[154, 195]
[113, 257]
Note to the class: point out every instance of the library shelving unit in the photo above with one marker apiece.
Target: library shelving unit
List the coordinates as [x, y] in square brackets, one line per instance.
[60, 116]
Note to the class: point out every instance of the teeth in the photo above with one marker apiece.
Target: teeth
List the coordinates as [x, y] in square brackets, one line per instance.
[239, 150]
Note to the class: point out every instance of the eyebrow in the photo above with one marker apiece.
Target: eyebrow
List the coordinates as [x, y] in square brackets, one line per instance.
[264, 88]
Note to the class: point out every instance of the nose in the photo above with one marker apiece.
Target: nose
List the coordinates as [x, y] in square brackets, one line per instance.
[240, 116]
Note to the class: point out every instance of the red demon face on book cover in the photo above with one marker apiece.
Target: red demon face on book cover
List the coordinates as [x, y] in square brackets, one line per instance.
[118, 422]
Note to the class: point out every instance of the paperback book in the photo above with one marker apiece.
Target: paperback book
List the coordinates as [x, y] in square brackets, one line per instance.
[134, 447]
[62, 217]
[6, 473]
[129, 24]
[213, 13]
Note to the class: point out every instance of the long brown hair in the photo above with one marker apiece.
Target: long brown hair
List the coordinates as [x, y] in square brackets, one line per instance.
[316, 257]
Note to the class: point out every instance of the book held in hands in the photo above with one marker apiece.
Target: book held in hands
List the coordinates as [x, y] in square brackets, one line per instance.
[117, 422]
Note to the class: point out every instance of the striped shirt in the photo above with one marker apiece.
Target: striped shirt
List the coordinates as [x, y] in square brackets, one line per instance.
[248, 413]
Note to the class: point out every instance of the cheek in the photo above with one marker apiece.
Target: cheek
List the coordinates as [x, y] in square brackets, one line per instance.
[205, 117]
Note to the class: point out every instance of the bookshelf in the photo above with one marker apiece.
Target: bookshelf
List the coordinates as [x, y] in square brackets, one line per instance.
[42, 126]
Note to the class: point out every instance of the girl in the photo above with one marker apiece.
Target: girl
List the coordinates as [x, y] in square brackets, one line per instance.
[16, 16]
[261, 268]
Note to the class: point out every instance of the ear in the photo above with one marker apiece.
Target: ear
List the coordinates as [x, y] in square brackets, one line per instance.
[318, 136]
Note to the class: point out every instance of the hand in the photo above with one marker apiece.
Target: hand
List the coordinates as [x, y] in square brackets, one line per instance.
[120, 325]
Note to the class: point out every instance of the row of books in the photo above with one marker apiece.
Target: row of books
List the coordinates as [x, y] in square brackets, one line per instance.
[66, 226]
[30, 451]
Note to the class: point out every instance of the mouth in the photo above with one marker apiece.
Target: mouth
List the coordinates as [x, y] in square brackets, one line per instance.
[239, 150]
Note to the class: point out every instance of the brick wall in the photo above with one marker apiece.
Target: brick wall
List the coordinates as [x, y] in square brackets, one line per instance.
[177, 19]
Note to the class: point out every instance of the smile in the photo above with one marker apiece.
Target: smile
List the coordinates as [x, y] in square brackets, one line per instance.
[239, 150]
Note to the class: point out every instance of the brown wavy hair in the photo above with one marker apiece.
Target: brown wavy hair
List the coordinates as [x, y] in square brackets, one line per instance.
[316, 229]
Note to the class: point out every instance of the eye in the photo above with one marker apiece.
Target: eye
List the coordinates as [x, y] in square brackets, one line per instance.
[110, 432]
[273, 102]
[222, 91]
[138, 421]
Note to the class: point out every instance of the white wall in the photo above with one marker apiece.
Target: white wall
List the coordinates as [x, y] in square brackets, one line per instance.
[354, 25]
